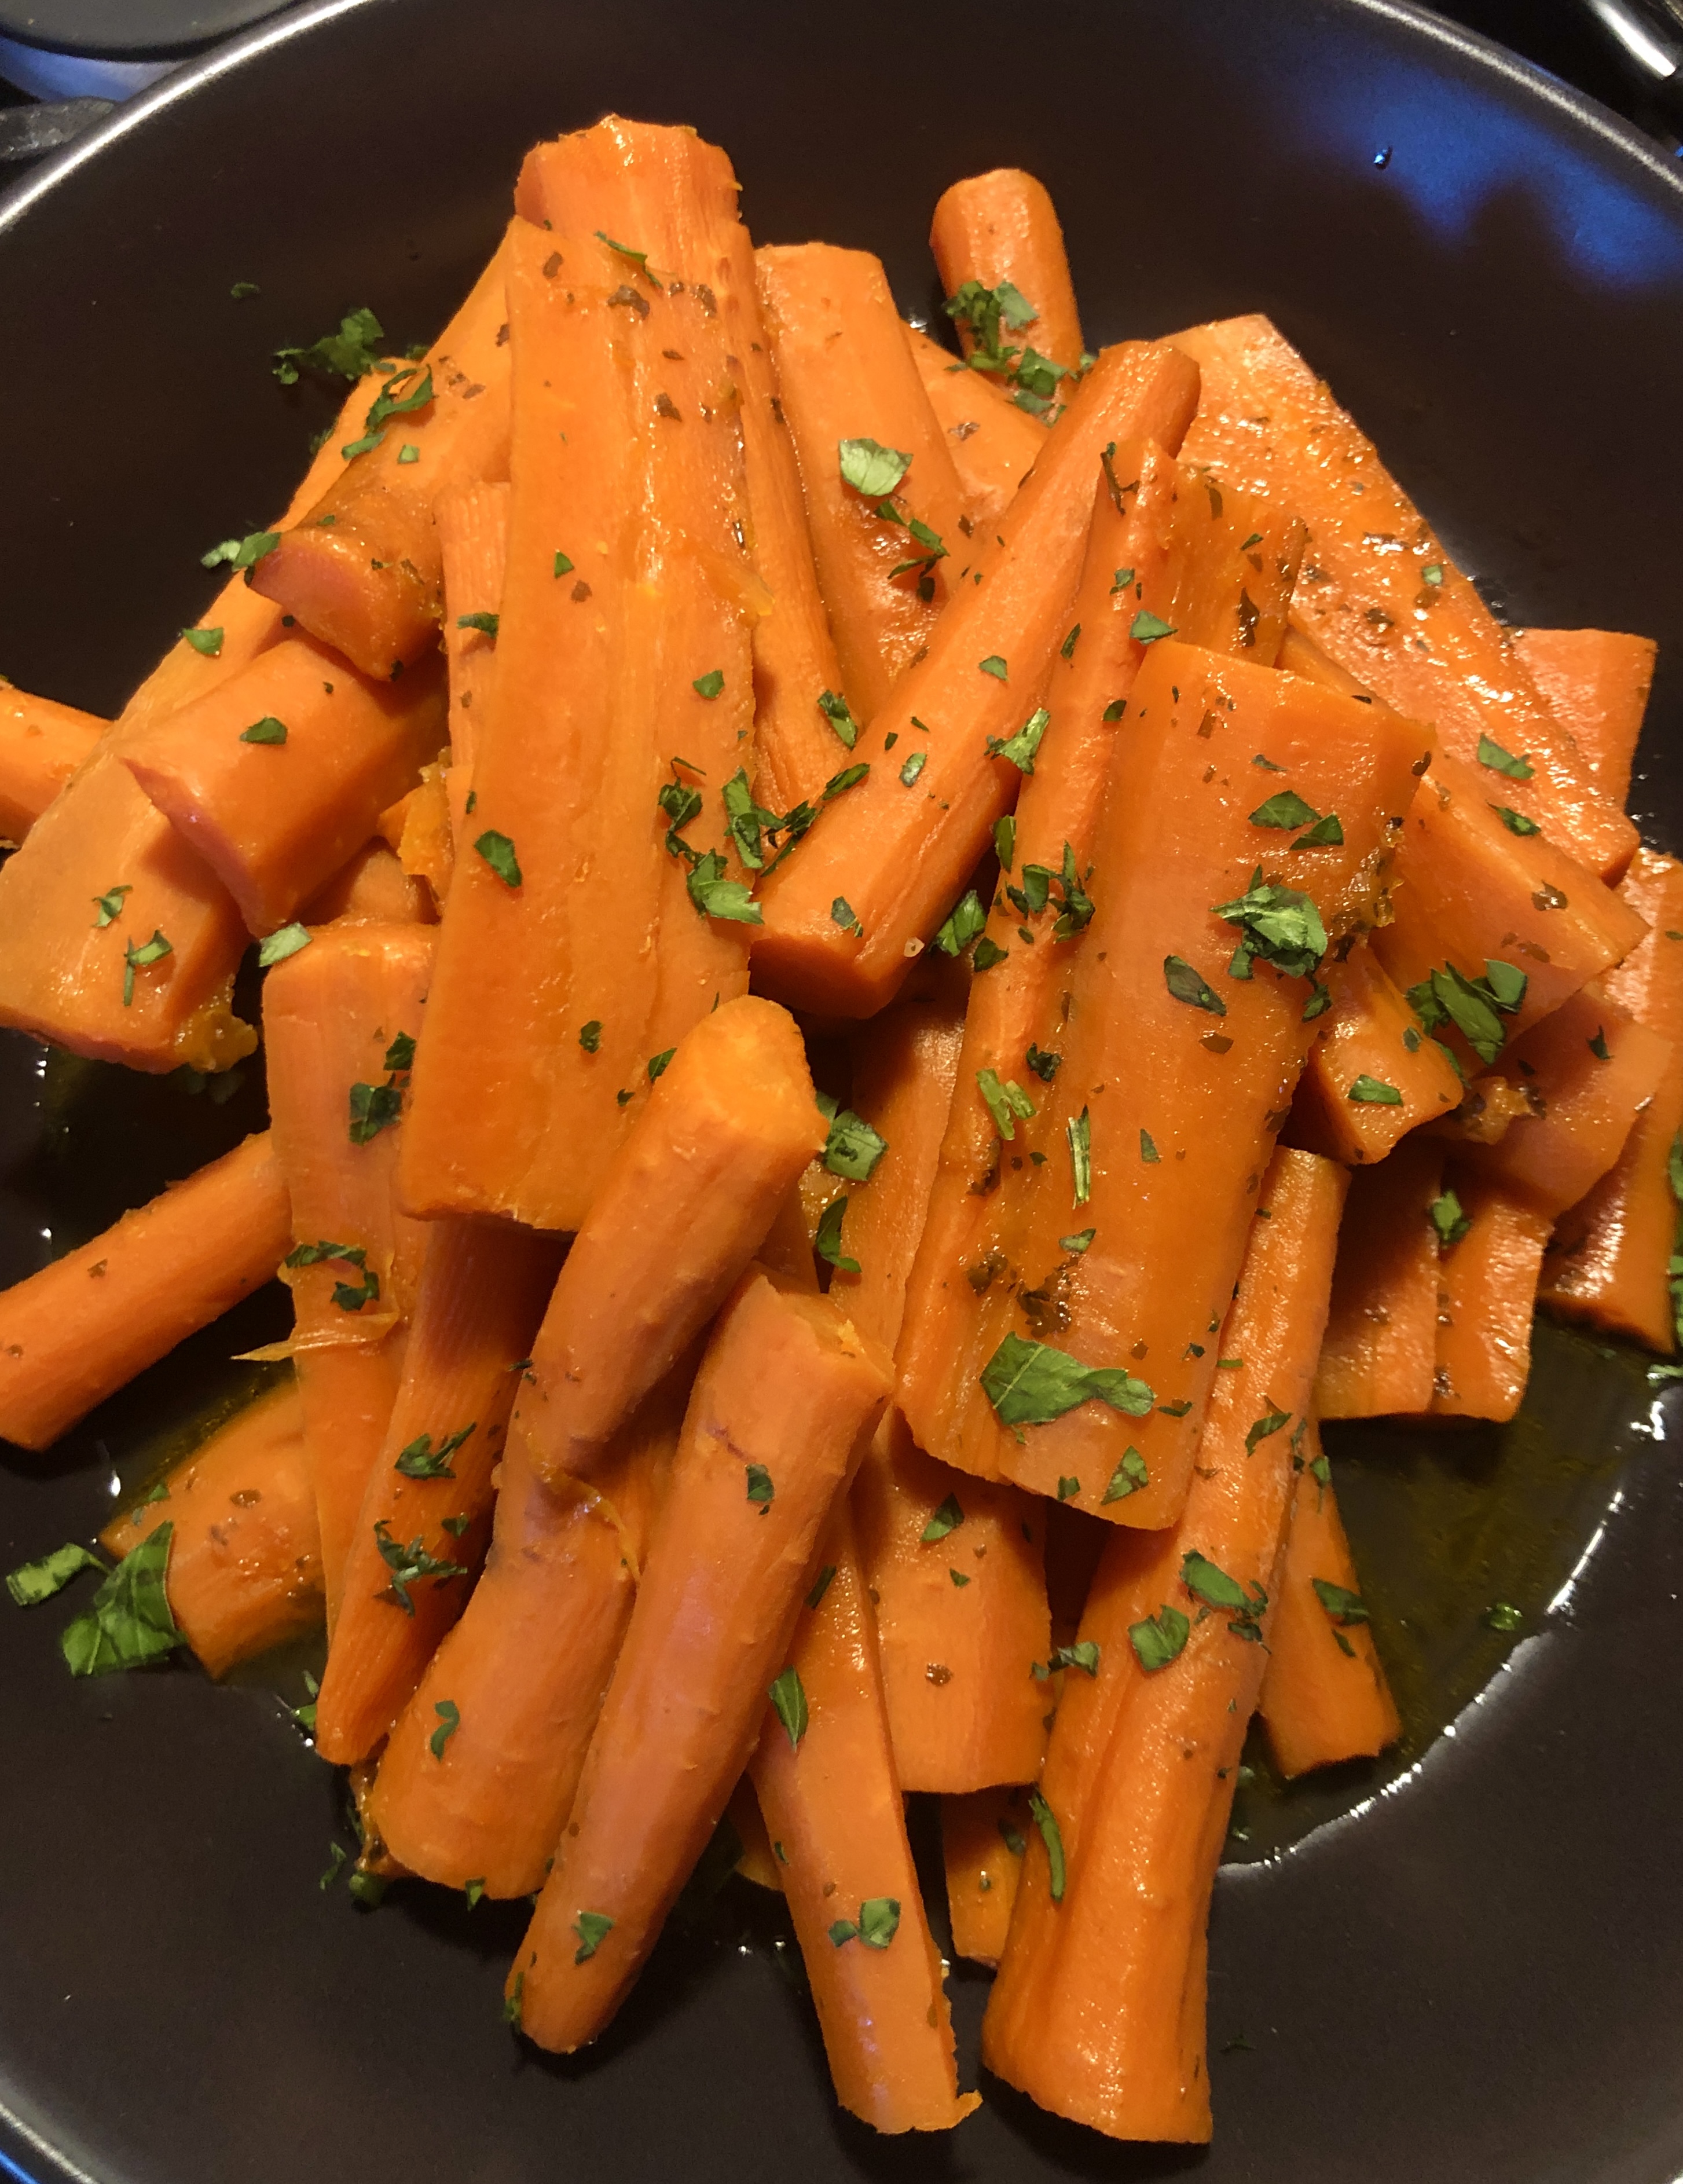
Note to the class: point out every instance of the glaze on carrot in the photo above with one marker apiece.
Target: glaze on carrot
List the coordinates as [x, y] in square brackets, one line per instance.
[1001, 227]
[41, 744]
[1381, 1351]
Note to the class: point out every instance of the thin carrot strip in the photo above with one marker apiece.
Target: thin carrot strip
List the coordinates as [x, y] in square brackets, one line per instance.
[786, 1396]
[1382, 597]
[824, 1773]
[994, 444]
[278, 775]
[425, 846]
[361, 569]
[1098, 2010]
[1324, 1695]
[1372, 1046]
[1597, 683]
[473, 547]
[1380, 1350]
[75, 1332]
[482, 1293]
[1487, 1283]
[983, 1841]
[245, 1554]
[873, 461]
[1608, 1261]
[858, 899]
[572, 923]
[1001, 227]
[41, 744]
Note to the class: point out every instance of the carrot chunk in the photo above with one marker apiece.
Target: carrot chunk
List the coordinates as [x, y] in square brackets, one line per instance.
[41, 744]
[1381, 1351]
[1597, 683]
[998, 228]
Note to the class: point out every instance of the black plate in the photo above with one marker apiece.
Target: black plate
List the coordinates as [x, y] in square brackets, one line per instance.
[1478, 1974]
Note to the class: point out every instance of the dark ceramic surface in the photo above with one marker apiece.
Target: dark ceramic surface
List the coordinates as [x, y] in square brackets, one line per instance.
[1477, 1977]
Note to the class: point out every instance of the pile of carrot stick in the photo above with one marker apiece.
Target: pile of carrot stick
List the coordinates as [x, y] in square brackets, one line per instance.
[895, 957]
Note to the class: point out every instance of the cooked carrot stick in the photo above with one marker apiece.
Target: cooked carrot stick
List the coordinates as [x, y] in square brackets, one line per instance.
[1098, 2010]
[1383, 598]
[1487, 1283]
[75, 1332]
[682, 1208]
[571, 923]
[41, 744]
[1597, 683]
[758, 1862]
[873, 458]
[1607, 1263]
[473, 547]
[961, 1613]
[885, 863]
[282, 772]
[982, 1840]
[361, 569]
[245, 1556]
[1184, 1039]
[1371, 1045]
[1470, 890]
[339, 1021]
[786, 1396]
[482, 1293]
[426, 846]
[369, 888]
[1380, 1350]
[671, 196]
[1001, 227]
[993, 443]
[824, 1773]
[1325, 1694]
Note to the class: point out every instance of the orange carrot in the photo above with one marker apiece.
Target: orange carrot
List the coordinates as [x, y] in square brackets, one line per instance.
[857, 901]
[682, 1208]
[993, 443]
[1380, 1350]
[361, 569]
[1001, 227]
[245, 1556]
[873, 461]
[571, 925]
[672, 195]
[425, 846]
[1487, 1283]
[1607, 1263]
[41, 744]
[983, 1842]
[824, 1773]
[1371, 1044]
[473, 546]
[1230, 563]
[758, 1862]
[282, 772]
[339, 1021]
[1183, 1039]
[1098, 2010]
[482, 1293]
[1470, 890]
[480, 1771]
[75, 1332]
[369, 888]
[1325, 1694]
[785, 1397]
[1597, 683]
[1382, 598]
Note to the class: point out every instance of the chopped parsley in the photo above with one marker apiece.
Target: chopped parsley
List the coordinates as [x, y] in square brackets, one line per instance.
[1451, 1223]
[486, 624]
[1130, 1476]
[963, 924]
[788, 1695]
[207, 641]
[109, 906]
[853, 1148]
[420, 1460]
[351, 353]
[876, 1926]
[373, 1108]
[33, 1582]
[827, 1240]
[761, 1488]
[590, 1035]
[137, 959]
[409, 1563]
[993, 664]
[268, 730]
[1285, 809]
[1343, 1608]
[1515, 821]
[449, 1721]
[1186, 984]
[871, 469]
[498, 852]
[129, 1622]
[1146, 629]
[1499, 761]
[946, 1519]
[1598, 1045]
[1043, 1064]
[1206, 1581]
[592, 1928]
[1079, 1131]
[1160, 1638]
[1031, 1383]
[1263, 1428]
[1277, 923]
[241, 553]
[834, 706]
[1046, 1821]
[564, 565]
[1368, 1091]
[820, 1586]
[277, 946]
[710, 684]
[1078, 1242]
[1007, 1103]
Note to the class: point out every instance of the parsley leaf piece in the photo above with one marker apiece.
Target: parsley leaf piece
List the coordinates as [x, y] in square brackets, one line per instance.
[1046, 1820]
[837, 785]
[827, 1239]
[958, 1578]
[993, 664]
[1506, 984]
[1148, 1148]
[1451, 1223]
[842, 1930]
[407, 1564]
[1449, 997]
[871, 468]
[590, 1035]
[988, 953]
[1044, 1065]
[420, 1460]
[1598, 1045]
[128, 1622]
[1499, 761]
[760, 1486]
[475, 1892]
[338, 1859]
[842, 913]
[1279, 924]
[206, 641]
[914, 766]
[1186, 984]
[241, 553]
[498, 852]
[1128, 1477]
[564, 565]
[242, 289]
[980, 310]
[1369, 1091]
[352, 353]
[715, 896]
[660, 1063]
[835, 707]
[1338, 1602]
[136, 959]
[1146, 629]
[268, 730]
[961, 926]
[1078, 1242]
[31, 1583]
[1067, 650]
[275, 947]
[1005, 840]
[1502, 1615]
[1007, 1103]
[1114, 709]
[1284, 809]
[1327, 833]
[449, 1721]
[1079, 1132]
[1262, 1428]
[1084, 1656]
[352, 1296]
[1160, 1638]
[710, 684]
[314, 1254]
[592, 1928]
[879, 1921]
[1515, 821]
[1208, 1582]
[788, 1695]
[399, 1057]
[946, 1519]
[853, 1148]
[487, 625]
[1031, 1383]
[109, 906]
[820, 1586]
[373, 1108]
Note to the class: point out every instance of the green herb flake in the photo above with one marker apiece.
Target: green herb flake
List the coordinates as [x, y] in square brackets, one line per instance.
[842, 913]
[1078, 1242]
[1492, 755]
[407, 1564]
[590, 1035]
[409, 452]
[1046, 1821]
[1186, 984]
[486, 624]
[1343, 1606]
[420, 1460]
[498, 852]
[1515, 821]
[993, 664]
[128, 1622]
[1598, 1045]
[852, 1149]
[373, 1108]
[710, 684]
[1021, 747]
[1032, 1383]
[958, 1577]
[1067, 650]
[1005, 840]
[241, 553]
[1208, 1582]
[1044, 1065]
[268, 730]
[988, 954]
[1160, 1638]
[109, 906]
[1146, 629]
[946, 1519]
[449, 1721]
[1326, 833]
[1284, 809]
[564, 565]
[33, 1582]
[475, 1892]
[820, 1586]
[1279, 924]
[1369, 1092]
[870, 468]
[277, 946]
[1084, 1656]
[715, 896]
[351, 353]
[1007, 1103]
[1130, 1476]
[1432, 573]
[760, 1488]
[592, 1928]
[835, 707]
[660, 1063]
[136, 959]
[788, 1695]
[206, 641]
[1148, 1148]
[1502, 1615]
[961, 926]
[1079, 1131]
[827, 1240]
[914, 766]
[1263, 1428]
